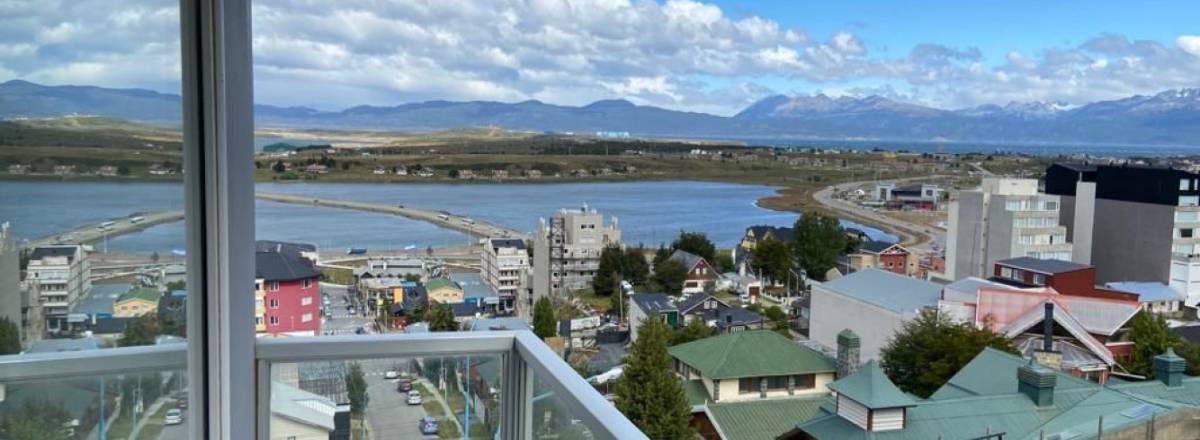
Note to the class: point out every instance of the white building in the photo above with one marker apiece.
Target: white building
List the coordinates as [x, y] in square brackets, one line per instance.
[505, 266]
[1005, 218]
[566, 250]
[62, 276]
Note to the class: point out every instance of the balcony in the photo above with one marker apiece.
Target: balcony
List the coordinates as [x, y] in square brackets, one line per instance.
[523, 372]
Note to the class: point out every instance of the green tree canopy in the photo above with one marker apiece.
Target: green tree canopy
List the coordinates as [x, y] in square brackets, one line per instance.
[37, 420]
[695, 329]
[697, 243]
[544, 323]
[669, 275]
[662, 254]
[931, 348]
[819, 239]
[778, 319]
[1152, 337]
[724, 262]
[635, 268]
[10, 337]
[608, 274]
[773, 259]
[440, 318]
[141, 331]
[356, 389]
[648, 393]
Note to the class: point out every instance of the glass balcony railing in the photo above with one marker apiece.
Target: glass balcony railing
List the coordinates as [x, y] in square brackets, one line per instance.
[483, 385]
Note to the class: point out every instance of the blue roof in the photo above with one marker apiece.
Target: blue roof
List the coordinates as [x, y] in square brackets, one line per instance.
[1148, 291]
[493, 324]
[473, 285]
[886, 289]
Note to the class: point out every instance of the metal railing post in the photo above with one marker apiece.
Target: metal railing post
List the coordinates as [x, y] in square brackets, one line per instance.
[516, 408]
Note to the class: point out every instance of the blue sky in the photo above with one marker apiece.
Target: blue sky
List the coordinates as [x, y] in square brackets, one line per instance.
[715, 56]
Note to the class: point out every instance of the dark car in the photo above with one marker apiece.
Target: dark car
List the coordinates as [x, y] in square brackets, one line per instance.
[404, 386]
[429, 426]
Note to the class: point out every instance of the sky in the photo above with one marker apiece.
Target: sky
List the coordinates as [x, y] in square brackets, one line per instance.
[714, 56]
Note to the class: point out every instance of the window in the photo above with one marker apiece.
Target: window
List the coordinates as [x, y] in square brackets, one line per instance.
[1189, 200]
[1183, 184]
[1006, 272]
[1039, 279]
[1184, 232]
[274, 320]
[306, 317]
[1051, 206]
[1187, 216]
[307, 283]
[776, 383]
[306, 301]
[748, 385]
[805, 381]
[274, 286]
[274, 304]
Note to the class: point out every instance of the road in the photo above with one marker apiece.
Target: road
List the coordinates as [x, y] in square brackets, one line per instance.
[388, 414]
[120, 226]
[915, 236]
[451, 221]
[338, 320]
[172, 432]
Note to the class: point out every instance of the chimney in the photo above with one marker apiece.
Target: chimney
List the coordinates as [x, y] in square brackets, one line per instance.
[1037, 382]
[1048, 328]
[848, 345]
[1168, 368]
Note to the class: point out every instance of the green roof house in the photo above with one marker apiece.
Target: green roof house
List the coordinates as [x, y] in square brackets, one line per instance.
[136, 302]
[998, 395]
[751, 385]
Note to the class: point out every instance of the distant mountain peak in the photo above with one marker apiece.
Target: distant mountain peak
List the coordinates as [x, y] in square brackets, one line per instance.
[610, 104]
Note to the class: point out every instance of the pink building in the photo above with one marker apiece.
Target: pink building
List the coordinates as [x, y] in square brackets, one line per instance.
[288, 291]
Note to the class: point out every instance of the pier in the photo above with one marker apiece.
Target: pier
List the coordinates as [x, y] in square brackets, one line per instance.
[439, 218]
[112, 228]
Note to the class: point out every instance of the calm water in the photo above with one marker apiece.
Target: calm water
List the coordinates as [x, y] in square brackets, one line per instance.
[648, 212]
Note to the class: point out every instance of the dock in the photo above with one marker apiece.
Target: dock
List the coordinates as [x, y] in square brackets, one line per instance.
[112, 228]
[442, 219]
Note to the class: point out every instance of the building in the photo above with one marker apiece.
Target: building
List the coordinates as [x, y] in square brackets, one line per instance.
[390, 267]
[998, 395]
[883, 255]
[1153, 296]
[1005, 218]
[444, 291]
[11, 294]
[872, 303]
[701, 276]
[136, 302]
[923, 196]
[566, 250]
[505, 266]
[299, 414]
[287, 291]
[643, 306]
[476, 291]
[62, 276]
[718, 314]
[757, 233]
[1133, 223]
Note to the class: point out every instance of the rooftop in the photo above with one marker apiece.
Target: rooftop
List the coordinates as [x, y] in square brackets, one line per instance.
[283, 266]
[508, 243]
[140, 293]
[871, 388]
[1043, 266]
[441, 283]
[653, 302]
[762, 419]
[54, 251]
[891, 291]
[687, 259]
[1148, 291]
[750, 353]
[876, 246]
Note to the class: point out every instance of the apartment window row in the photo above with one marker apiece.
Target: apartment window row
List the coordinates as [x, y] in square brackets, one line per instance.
[1050, 255]
[1035, 222]
[1187, 216]
[1189, 200]
[752, 385]
[1042, 239]
[1188, 185]
[1031, 205]
[1185, 232]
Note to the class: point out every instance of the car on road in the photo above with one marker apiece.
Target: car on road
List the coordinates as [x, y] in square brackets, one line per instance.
[174, 417]
[360, 330]
[404, 386]
[391, 374]
[429, 426]
[353, 311]
[414, 397]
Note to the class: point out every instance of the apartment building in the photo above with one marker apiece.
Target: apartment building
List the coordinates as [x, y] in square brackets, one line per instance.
[62, 276]
[1005, 218]
[287, 291]
[504, 265]
[10, 276]
[1133, 223]
[566, 250]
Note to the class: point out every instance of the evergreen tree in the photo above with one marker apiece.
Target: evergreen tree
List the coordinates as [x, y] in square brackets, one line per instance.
[544, 323]
[440, 318]
[356, 389]
[648, 393]
[695, 329]
[931, 348]
[662, 254]
[819, 239]
[608, 276]
[140, 331]
[37, 420]
[724, 262]
[279, 167]
[696, 243]
[773, 259]
[1152, 337]
[635, 269]
[10, 337]
[669, 275]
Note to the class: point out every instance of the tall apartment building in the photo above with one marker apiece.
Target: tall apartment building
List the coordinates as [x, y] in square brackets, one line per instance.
[1133, 223]
[62, 276]
[566, 250]
[1005, 218]
[287, 289]
[10, 276]
[504, 265]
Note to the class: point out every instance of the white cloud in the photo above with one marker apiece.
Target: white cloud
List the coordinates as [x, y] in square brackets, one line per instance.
[1189, 44]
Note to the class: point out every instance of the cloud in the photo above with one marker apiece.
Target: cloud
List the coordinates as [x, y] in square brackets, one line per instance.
[681, 54]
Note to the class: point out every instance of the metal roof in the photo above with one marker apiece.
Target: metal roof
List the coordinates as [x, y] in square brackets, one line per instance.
[41, 252]
[653, 302]
[1043, 266]
[283, 266]
[885, 289]
[1148, 291]
[508, 243]
[764, 419]
[687, 259]
[871, 388]
[750, 353]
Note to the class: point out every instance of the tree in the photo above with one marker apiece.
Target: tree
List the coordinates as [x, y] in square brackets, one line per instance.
[544, 323]
[453, 174]
[10, 337]
[819, 239]
[440, 318]
[662, 254]
[635, 269]
[696, 243]
[648, 393]
[772, 259]
[723, 263]
[37, 420]
[141, 331]
[356, 389]
[778, 319]
[416, 278]
[669, 275]
[279, 167]
[1151, 337]
[695, 329]
[154, 257]
[176, 285]
[931, 348]
[123, 170]
[608, 275]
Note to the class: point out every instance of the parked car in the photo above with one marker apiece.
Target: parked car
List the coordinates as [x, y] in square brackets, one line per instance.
[414, 397]
[404, 386]
[391, 374]
[174, 417]
[429, 426]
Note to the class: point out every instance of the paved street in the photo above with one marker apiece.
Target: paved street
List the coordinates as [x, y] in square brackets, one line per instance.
[173, 432]
[914, 236]
[388, 414]
[338, 320]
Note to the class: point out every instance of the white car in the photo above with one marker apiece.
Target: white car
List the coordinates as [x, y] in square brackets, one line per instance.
[391, 374]
[174, 417]
[414, 397]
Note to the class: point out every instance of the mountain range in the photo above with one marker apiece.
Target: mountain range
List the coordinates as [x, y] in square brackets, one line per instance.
[1168, 118]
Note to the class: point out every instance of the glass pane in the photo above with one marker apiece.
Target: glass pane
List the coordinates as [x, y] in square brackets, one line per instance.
[387, 398]
[92, 231]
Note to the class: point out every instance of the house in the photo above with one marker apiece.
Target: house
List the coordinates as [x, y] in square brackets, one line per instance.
[757, 233]
[998, 395]
[752, 373]
[380, 171]
[19, 169]
[390, 267]
[476, 291]
[499, 174]
[287, 291]
[136, 302]
[465, 174]
[1155, 297]
[718, 314]
[643, 306]
[107, 171]
[444, 291]
[316, 168]
[872, 303]
[64, 170]
[533, 174]
[923, 196]
[883, 255]
[701, 276]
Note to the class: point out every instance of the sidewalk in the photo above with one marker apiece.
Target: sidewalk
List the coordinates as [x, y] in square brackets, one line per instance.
[150, 411]
[445, 406]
